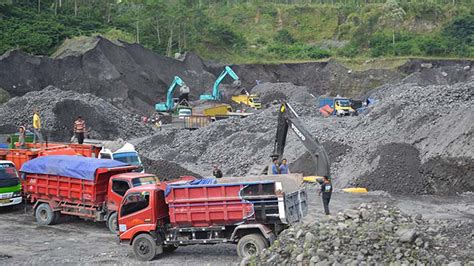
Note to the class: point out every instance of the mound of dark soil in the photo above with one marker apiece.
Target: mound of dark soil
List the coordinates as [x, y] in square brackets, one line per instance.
[165, 170]
[398, 170]
[59, 109]
[129, 75]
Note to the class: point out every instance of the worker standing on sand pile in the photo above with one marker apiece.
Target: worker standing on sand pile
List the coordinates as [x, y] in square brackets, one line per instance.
[37, 127]
[79, 129]
[275, 167]
[326, 190]
[217, 172]
[284, 167]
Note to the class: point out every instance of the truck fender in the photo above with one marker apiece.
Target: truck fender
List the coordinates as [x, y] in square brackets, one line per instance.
[245, 229]
[139, 229]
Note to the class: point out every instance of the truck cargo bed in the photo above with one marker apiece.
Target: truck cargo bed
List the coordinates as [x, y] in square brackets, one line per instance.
[234, 203]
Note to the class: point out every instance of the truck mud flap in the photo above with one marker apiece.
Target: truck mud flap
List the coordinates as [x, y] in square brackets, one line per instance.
[296, 205]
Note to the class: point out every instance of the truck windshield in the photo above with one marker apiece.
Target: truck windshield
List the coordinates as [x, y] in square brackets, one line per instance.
[145, 180]
[8, 175]
[127, 157]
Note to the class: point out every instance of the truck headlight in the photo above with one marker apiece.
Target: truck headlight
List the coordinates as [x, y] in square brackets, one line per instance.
[16, 194]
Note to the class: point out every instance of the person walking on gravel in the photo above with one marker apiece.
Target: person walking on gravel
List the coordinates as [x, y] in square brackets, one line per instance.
[326, 191]
[37, 128]
[79, 129]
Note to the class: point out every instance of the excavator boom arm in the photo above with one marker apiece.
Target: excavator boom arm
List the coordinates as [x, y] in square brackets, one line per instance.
[169, 95]
[288, 118]
[215, 89]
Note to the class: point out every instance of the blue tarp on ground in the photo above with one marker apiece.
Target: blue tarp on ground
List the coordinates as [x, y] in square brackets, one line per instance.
[68, 165]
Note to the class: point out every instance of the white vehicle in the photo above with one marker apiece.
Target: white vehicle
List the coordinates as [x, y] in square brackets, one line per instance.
[184, 112]
[126, 154]
[10, 186]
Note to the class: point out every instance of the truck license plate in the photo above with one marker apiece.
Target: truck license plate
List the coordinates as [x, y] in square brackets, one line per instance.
[4, 200]
[6, 195]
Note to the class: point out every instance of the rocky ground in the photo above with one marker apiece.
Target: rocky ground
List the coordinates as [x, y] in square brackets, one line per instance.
[371, 234]
[75, 241]
[415, 140]
[396, 146]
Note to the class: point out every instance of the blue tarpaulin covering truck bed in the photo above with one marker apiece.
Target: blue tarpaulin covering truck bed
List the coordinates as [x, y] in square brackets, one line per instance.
[68, 165]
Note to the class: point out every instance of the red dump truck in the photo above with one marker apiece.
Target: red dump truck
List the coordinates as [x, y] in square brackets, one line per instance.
[154, 219]
[34, 150]
[79, 186]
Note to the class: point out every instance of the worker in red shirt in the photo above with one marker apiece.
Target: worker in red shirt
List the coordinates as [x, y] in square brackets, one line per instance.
[79, 129]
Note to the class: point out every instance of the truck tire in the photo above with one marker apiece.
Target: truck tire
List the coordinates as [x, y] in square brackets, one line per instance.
[45, 215]
[144, 247]
[57, 217]
[250, 245]
[112, 223]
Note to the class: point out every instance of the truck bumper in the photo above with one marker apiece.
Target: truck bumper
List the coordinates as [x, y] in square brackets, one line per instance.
[12, 201]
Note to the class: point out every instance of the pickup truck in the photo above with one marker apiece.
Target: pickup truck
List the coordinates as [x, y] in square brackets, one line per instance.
[160, 218]
[89, 188]
[10, 186]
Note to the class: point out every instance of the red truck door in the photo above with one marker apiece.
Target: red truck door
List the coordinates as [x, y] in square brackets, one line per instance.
[136, 209]
[118, 188]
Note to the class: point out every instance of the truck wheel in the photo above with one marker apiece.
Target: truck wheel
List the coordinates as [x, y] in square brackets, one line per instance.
[44, 214]
[251, 245]
[144, 247]
[112, 223]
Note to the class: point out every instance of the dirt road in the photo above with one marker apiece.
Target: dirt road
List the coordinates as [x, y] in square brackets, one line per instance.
[76, 241]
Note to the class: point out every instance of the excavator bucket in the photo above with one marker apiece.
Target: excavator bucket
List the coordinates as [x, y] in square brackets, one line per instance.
[313, 179]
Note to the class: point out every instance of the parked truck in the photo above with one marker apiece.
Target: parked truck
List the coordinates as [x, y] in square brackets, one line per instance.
[196, 121]
[245, 98]
[338, 106]
[10, 186]
[126, 154]
[155, 219]
[32, 151]
[89, 188]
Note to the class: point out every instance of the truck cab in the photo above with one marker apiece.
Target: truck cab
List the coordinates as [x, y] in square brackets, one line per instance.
[10, 185]
[119, 184]
[343, 107]
[127, 154]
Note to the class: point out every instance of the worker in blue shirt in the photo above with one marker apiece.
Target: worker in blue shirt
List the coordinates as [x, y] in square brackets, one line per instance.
[284, 167]
[275, 167]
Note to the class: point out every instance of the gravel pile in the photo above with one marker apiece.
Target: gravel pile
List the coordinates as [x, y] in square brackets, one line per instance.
[396, 146]
[369, 234]
[58, 110]
[165, 170]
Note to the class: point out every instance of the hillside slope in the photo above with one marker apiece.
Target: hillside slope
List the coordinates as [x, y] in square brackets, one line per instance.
[250, 31]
